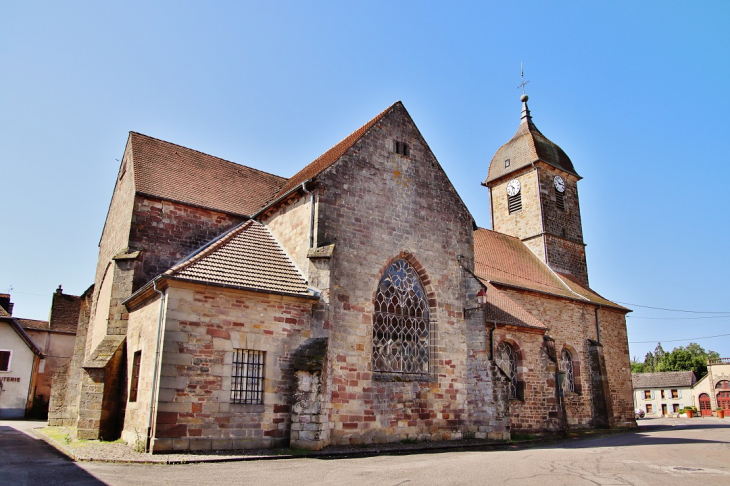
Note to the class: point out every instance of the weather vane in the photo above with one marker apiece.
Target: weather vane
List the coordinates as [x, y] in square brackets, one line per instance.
[522, 73]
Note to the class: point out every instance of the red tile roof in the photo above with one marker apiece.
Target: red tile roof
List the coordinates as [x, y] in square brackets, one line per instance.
[246, 257]
[65, 311]
[169, 171]
[503, 259]
[330, 157]
[503, 310]
[33, 324]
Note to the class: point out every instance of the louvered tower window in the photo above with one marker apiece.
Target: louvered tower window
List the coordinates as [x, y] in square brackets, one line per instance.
[515, 202]
[560, 200]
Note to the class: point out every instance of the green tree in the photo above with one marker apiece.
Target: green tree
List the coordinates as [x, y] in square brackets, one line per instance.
[692, 358]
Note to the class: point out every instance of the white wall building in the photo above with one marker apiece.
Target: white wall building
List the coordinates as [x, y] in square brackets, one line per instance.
[662, 394]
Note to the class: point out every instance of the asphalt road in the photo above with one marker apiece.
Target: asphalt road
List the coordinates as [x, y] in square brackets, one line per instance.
[663, 452]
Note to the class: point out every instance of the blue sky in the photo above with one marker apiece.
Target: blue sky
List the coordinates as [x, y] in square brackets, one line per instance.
[635, 93]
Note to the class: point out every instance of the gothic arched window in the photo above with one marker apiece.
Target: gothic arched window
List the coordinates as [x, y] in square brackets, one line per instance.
[507, 361]
[401, 322]
[566, 364]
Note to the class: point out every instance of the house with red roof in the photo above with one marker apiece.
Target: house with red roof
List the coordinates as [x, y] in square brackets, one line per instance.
[353, 302]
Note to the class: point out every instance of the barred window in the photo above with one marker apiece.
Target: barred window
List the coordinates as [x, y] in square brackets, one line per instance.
[247, 376]
[507, 362]
[566, 364]
[401, 322]
[134, 381]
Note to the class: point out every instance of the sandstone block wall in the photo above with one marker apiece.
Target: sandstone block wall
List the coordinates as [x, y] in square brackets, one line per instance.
[377, 206]
[203, 325]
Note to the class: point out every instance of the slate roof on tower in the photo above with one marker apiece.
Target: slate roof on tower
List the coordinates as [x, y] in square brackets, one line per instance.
[527, 146]
[169, 171]
[246, 257]
[505, 260]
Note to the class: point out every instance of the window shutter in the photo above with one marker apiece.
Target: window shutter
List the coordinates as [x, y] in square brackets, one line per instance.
[679, 393]
[652, 394]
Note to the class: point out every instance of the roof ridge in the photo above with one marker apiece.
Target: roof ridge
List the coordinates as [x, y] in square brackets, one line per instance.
[207, 154]
[340, 147]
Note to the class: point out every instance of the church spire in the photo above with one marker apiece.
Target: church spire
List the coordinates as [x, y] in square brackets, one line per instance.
[525, 118]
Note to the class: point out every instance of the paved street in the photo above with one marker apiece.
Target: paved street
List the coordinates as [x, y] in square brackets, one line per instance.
[664, 452]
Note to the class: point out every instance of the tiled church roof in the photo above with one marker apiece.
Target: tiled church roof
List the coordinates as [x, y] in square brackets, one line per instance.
[246, 257]
[503, 310]
[503, 259]
[329, 157]
[169, 171]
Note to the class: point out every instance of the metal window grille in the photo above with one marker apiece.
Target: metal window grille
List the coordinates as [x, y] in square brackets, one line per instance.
[506, 360]
[247, 376]
[560, 200]
[4, 360]
[401, 322]
[566, 364]
[514, 202]
[134, 382]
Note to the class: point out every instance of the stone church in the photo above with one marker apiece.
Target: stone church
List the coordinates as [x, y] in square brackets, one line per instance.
[354, 302]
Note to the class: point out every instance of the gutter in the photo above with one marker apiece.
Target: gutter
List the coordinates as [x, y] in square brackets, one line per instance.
[154, 392]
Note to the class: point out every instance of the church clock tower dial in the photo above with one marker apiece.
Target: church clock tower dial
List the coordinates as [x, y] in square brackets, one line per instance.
[547, 218]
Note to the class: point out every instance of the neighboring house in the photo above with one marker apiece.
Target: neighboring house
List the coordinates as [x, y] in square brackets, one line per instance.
[55, 338]
[354, 302]
[19, 360]
[713, 390]
[664, 393]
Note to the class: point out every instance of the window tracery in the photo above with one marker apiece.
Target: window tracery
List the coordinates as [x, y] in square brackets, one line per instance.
[566, 364]
[401, 322]
[507, 361]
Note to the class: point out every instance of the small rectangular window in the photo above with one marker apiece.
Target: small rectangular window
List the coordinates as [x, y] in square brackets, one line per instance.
[647, 394]
[514, 202]
[560, 200]
[401, 148]
[506, 163]
[675, 394]
[134, 382]
[675, 407]
[5, 360]
[247, 376]
[649, 408]
[663, 396]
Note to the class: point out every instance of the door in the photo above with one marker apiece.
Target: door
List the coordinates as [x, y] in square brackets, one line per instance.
[705, 405]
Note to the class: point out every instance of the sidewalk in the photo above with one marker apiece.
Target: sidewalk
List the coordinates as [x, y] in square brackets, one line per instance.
[119, 452]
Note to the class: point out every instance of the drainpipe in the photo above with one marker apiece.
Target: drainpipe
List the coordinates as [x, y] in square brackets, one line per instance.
[311, 215]
[153, 393]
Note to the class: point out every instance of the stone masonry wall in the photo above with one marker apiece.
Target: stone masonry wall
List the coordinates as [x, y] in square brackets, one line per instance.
[290, 226]
[525, 223]
[142, 337]
[166, 232]
[64, 403]
[203, 325]
[618, 365]
[377, 206]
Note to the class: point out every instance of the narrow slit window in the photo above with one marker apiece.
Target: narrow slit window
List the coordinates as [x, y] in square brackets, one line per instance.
[506, 163]
[402, 148]
[134, 382]
[247, 376]
[514, 202]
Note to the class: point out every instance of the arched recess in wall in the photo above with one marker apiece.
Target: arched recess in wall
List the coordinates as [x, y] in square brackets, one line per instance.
[508, 357]
[722, 394]
[403, 310]
[570, 363]
[101, 307]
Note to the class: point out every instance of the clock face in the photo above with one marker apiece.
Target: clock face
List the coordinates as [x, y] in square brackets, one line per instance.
[513, 188]
[559, 183]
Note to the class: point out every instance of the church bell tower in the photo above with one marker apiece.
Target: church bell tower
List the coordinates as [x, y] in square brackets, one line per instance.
[533, 191]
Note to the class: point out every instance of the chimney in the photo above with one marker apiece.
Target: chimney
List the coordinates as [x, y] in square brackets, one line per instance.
[6, 304]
